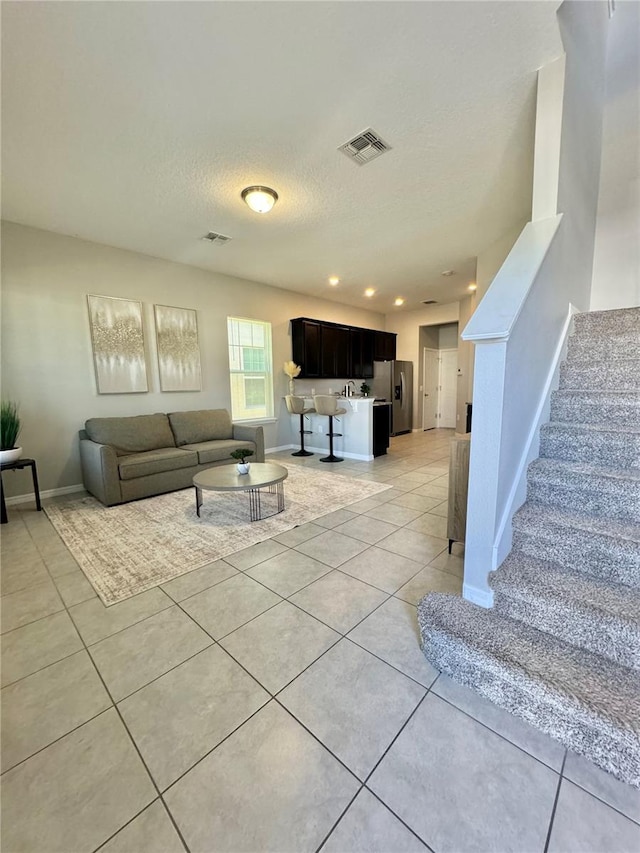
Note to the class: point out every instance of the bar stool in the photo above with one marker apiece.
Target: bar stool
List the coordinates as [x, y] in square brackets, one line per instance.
[295, 406]
[326, 405]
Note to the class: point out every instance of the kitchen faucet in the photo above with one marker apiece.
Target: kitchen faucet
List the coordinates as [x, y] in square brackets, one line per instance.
[349, 392]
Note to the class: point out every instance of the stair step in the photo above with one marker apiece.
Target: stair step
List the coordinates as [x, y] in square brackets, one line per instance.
[586, 489]
[617, 322]
[587, 702]
[618, 408]
[586, 347]
[620, 374]
[609, 446]
[587, 612]
[601, 547]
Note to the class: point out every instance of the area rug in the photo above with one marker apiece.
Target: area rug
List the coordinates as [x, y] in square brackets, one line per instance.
[126, 549]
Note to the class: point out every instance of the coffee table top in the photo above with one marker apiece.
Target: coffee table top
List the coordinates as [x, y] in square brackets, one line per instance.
[225, 478]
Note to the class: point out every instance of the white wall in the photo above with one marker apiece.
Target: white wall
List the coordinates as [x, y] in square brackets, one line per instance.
[46, 347]
[448, 336]
[406, 325]
[616, 263]
[522, 321]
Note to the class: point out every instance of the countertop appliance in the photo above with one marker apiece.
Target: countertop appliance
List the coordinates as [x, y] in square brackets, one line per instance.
[393, 380]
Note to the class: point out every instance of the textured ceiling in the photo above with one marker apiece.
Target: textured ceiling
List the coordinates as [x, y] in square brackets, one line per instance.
[137, 125]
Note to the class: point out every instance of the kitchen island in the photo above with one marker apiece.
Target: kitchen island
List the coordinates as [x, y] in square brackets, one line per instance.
[363, 428]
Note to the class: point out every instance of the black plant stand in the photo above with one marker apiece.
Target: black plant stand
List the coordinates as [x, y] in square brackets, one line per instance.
[16, 466]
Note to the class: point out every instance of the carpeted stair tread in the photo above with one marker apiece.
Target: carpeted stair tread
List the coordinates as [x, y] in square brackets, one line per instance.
[606, 408]
[609, 445]
[542, 516]
[588, 612]
[617, 321]
[620, 373]
[589, 348]
[589, 703]
[588, 489]
[603, 547]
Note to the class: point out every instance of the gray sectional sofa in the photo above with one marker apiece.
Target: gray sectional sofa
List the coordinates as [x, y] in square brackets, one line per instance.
[128, 458]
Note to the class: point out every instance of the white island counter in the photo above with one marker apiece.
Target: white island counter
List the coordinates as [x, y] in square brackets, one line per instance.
[356, 427]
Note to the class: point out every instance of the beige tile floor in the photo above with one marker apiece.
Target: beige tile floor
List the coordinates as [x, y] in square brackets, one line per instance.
[276, 700]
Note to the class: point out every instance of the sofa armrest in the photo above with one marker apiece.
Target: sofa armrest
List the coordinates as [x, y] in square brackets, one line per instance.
[243, 432]
[100, 471]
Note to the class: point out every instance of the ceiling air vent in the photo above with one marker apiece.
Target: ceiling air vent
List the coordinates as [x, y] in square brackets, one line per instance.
[430, 302]
[218, 239]
[364, 147]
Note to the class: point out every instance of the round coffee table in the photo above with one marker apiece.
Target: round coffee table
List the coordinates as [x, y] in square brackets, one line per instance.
[225, 478]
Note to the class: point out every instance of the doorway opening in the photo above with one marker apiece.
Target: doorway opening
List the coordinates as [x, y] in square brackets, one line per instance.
[439, 375]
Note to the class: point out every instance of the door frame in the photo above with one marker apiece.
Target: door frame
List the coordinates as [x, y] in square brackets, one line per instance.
[455, 386]
[425, 350]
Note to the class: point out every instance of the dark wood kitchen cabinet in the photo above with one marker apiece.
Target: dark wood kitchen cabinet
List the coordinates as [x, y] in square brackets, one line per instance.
[362, 353]
[384, 346]
[336, 361]
[306, 344]
[334, 351]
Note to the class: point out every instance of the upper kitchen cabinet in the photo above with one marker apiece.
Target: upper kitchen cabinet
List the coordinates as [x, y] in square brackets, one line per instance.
[336, 360]
[333, 351]
[384, 346]
[306, 344]
[362, 341]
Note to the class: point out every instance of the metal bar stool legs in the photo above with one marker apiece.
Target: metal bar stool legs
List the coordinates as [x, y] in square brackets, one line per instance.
[331, 457]
[303, 432]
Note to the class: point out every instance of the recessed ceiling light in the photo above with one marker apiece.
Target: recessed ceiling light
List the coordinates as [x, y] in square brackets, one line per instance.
[259, 199]
[369, 291]
[472, 286]
[398, 301]
[447, 272]
[334, 280]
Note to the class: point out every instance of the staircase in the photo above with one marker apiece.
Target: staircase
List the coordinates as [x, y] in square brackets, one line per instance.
[561, 646]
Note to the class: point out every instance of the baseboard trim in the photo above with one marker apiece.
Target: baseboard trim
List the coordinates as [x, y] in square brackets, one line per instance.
[49, 493]
[481, 597]
[279, 449]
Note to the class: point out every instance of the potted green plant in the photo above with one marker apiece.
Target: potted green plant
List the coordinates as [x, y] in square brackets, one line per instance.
[9, 431]
[365, 389]
[241, 455]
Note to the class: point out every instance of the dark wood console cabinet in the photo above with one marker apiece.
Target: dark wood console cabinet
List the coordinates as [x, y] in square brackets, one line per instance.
[333, 351]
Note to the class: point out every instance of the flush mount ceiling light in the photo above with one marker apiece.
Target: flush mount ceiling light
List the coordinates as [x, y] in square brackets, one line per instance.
[259, 199]
[472, 286]
[398, 301]
[334, 280]
[447, 273]
[369, 291]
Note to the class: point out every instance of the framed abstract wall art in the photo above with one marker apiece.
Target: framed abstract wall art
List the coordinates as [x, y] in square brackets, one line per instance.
[178, 348]
[117, 337]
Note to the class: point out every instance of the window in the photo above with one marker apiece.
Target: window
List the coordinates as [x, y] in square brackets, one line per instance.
[250, 369]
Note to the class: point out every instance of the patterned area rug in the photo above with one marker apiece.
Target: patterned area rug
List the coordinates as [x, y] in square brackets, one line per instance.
[124, 550]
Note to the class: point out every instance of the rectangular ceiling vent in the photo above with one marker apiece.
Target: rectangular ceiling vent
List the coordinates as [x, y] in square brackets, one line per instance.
[364, 147]
[218, 239]
[430, 302]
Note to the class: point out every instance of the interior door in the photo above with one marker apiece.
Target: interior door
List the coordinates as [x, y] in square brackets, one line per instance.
[430, 383]
[448, 383]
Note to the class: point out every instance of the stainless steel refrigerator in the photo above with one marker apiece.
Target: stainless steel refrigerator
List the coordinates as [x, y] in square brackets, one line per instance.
[393, 381]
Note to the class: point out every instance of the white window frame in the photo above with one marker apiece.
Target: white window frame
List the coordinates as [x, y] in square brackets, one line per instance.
[247, 414]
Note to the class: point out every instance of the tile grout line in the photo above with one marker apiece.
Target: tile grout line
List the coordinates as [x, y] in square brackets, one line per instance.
[129, 735]
[555, 805]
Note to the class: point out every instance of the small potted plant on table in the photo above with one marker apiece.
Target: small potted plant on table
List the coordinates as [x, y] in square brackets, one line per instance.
[241, 455]
[365, 389]
[9, 431]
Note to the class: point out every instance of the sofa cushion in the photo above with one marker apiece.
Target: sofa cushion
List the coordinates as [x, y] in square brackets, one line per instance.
[198, 426]
[218, 451]
[131, 435]
[155, 462]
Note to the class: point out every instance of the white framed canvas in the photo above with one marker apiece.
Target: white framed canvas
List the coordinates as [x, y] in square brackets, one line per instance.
[117, 337]
[178, 348]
